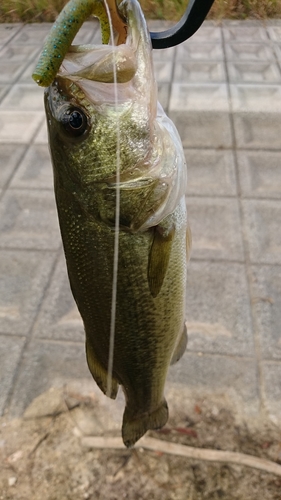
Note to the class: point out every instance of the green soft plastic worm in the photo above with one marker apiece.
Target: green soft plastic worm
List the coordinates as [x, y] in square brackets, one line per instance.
[65, 29]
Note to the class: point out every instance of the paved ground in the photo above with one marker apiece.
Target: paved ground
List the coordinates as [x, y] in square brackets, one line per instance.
[223, 90]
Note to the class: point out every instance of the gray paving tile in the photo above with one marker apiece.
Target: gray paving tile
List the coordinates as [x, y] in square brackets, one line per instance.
[10, 155]
[19, 126]
[211, 51]
[218, 303]
[216, 228]
[200, 72]
[257, 130]
[163, 71]
[164, 54]
[274, 33]
[8, 31]
[262, 223]
[260, 173]
[273, 22]
[256, 98]
[245, 22]
[35, 170]
[210, 172]
[272, 389]
[237, 51]
[47, 365]
[253, 72]
[277, 50]
[59, 318]
[23, 97]
[234, 378]
[28, 219]
[42, 135]
[218, 309]
[209, 31]
[32, 34]
[24, 275]
[163, 94]
[3, 91]
[203, 129]
[241, 33]
[86, 32]
[200, 97]
[26, 77]
[96, 38]
[159, 25]
[10, 353]
[10, 71]
[267, 307]
[18, 53]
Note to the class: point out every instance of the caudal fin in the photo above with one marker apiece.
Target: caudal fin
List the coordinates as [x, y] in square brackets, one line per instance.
[134, 427]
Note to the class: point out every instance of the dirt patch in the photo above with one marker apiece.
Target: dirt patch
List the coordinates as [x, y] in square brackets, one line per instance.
[44, 458]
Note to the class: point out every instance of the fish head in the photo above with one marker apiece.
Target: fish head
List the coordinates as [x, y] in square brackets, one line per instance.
[101, 107]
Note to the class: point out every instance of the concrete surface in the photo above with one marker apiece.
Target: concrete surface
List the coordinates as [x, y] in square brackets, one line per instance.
[223, 90]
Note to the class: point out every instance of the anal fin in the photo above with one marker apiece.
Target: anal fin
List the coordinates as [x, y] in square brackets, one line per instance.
[99, 373]
[134, 427]
[181, 347]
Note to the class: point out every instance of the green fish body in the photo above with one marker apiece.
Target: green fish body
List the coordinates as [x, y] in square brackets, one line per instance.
[93, 128]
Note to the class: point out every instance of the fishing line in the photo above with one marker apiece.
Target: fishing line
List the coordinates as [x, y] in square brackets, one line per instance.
[117, 216]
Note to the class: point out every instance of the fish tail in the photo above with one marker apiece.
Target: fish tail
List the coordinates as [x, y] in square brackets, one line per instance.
[134, 427]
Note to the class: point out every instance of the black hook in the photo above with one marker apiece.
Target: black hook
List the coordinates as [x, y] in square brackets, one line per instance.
[192, 19]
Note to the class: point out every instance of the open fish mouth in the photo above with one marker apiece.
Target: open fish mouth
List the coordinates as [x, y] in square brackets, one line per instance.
[96, 71]
[116, 73]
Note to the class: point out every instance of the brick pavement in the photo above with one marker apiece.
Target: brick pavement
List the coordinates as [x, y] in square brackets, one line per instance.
[223, 90]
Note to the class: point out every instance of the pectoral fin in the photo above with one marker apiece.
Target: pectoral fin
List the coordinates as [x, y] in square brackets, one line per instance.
[99, 373]
[181, 347]
[159, 257]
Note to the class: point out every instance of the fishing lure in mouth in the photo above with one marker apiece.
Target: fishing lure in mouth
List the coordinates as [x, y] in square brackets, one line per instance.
[65, 29]
[103, 116]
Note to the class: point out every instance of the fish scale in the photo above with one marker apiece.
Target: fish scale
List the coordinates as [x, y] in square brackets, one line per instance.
[153, 234]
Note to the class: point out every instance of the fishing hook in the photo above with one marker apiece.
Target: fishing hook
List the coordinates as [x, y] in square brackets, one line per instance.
[67, 26]
[192, 19]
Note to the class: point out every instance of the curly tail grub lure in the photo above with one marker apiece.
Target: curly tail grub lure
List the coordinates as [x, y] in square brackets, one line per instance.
[65, 29]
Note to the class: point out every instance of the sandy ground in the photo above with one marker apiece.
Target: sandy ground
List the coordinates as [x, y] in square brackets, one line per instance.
[44, 456]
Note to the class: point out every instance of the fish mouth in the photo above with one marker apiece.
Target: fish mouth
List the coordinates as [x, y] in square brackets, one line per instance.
[106, 63]
[110, 73]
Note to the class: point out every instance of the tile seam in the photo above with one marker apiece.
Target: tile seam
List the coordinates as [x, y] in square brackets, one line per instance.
[201, 354]
[13, 36]
[29, 338]
[257, 348]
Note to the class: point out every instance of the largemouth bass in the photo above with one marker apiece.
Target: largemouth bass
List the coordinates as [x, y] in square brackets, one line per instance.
[95, 127]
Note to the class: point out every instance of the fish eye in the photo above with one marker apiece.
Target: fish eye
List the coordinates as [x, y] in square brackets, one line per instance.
[74, 121]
